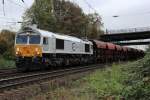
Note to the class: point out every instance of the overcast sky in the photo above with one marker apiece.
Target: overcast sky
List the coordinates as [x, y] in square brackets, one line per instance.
[132, 13]
[14, 10]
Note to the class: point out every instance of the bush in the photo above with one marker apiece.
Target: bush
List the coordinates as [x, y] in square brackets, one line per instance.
[3, 46]
[7, 39]
[6, 63]
[107, 82]
[9, 55]
[138, 83]
[131, 81]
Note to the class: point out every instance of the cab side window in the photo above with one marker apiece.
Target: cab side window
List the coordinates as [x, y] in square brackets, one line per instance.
[45, 40]
[60, 44]
[87, 48]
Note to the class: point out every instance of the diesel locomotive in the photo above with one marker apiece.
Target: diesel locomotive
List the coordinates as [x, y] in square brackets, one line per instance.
[40, 49]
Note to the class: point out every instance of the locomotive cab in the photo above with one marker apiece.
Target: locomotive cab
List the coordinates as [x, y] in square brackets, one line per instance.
[28, 44]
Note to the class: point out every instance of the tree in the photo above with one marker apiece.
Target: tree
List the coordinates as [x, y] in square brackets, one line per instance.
[62, 17]
[7, 39]
[94, 25]
[41, 14]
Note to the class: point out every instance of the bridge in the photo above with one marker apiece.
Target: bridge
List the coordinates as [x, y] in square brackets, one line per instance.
[126, 36]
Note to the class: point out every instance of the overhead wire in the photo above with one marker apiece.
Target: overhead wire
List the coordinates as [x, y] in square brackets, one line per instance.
[3, 2]
[22, 1]
[16, 4]
[12, 27]
[8, 22]
[90, 6]
[7, 18]
[12, 20]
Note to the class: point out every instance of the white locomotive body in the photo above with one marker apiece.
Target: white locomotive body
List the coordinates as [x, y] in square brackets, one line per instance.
[63, 44]
[48, 49]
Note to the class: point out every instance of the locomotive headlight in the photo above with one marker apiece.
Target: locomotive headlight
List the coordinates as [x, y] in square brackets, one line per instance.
[38, 53]
[36, 49]
[18, 49]
[17, 53]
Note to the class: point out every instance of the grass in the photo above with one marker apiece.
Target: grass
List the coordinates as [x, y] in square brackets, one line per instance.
[5, 64]
[75, 92]
[126, 80]
[129, 81]
[102, 84]
[107, 82]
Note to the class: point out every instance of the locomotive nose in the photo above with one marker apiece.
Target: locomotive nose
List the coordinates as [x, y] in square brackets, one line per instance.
[28, 51]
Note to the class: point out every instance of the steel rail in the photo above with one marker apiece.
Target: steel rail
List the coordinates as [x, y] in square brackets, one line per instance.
[7, 72]
[22, 80]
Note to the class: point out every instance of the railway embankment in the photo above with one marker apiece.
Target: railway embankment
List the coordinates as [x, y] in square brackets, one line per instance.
[124, 81]
[22, 87]
[5, 64]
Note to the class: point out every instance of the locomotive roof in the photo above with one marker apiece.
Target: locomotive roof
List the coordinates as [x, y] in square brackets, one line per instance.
[59, 36]
[45, 33]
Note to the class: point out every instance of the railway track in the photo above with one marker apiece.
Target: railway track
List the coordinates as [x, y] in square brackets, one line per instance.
[7, 72]
[19, 80]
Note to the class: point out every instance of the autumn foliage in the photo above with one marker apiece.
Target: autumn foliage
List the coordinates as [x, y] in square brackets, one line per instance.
[65, 17]
[7, 39]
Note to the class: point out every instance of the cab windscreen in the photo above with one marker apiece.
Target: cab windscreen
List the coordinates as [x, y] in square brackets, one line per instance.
[34, 39]
[21, 39]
